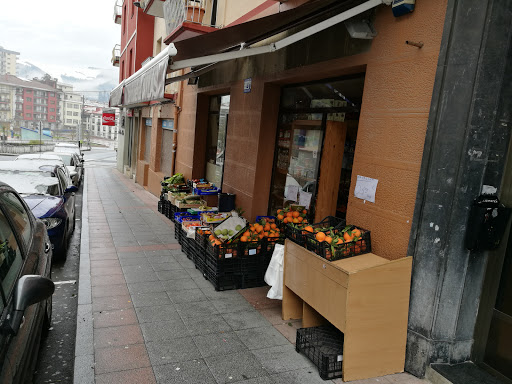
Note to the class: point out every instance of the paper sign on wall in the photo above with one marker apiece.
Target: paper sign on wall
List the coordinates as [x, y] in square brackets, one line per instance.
[305, 199]
[366, 188]
[290, 192]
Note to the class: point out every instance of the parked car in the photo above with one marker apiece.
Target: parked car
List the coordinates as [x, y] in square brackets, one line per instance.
[26, 304]
[73, 163]
[68, 147]
[50, 159]
[46, 191]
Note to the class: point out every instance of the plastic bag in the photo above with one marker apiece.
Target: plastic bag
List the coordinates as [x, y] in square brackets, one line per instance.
[274, 274]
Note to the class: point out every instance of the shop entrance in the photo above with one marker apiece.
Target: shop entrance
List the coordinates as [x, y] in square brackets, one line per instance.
[216, 138]
[498, 351]
[316, 137]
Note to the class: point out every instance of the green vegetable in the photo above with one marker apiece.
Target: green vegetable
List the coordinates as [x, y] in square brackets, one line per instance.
[224, 231]
[238, 227]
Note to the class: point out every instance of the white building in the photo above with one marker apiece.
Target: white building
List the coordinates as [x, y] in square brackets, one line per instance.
[71, 105]
[8, 61]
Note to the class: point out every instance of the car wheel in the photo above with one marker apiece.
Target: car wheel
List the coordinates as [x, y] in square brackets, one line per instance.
[47, 319]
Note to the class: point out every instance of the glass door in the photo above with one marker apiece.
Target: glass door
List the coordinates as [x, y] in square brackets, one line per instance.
[216, 138]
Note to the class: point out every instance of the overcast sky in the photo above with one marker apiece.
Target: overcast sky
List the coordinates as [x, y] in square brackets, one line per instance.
[60, 35]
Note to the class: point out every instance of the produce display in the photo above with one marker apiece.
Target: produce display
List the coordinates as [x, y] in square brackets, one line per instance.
[335, 245]
[265, 228]
[214, 217]
[178, 178]
[230, 228]
[292, 214]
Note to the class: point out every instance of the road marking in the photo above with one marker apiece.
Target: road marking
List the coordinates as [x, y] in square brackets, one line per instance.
[64, 282]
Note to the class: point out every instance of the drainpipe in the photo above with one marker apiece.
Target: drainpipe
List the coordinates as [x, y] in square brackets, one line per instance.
[177, 111]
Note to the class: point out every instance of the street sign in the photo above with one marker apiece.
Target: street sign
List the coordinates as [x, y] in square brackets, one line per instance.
[108, 118]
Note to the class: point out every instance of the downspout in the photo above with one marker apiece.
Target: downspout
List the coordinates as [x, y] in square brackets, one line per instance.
[177, 111]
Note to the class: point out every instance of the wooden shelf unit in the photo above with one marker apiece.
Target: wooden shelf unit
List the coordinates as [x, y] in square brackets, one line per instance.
[366, 297]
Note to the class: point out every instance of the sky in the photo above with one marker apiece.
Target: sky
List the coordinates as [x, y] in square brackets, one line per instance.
[60, 35]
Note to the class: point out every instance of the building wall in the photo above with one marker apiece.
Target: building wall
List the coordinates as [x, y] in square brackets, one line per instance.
[230, 10]
[8, 62]
[396, 102]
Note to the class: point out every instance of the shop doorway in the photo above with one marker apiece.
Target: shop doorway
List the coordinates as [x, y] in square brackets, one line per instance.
[216, 138]
[315, 145]
[498, 351]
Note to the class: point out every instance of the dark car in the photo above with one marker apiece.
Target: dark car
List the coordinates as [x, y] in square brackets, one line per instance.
[46, 191]
[25, 285]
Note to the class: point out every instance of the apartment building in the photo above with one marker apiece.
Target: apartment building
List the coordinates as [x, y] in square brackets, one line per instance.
[93, 126]
[29, 102]
[8, 61]
[320, 94]
[71, 105]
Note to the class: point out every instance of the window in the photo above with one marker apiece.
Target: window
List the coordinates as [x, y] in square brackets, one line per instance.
[68, 121]
[124, 19]
[29, 115]
[75, 113]
[52, 117]
[62, 179]
[52, 101]
[69, 113]
[52, 94]
[10, 257]
[130, 63]
[29, 107]
[75, 121]
[216, 138]
[52, 109]
[20, 218]
[29, 99]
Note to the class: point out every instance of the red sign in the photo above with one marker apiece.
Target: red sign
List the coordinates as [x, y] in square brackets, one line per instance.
[108, 118]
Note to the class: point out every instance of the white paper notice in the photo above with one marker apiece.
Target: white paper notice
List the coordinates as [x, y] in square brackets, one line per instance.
[305, 199]
[366, 188]
[291, 192]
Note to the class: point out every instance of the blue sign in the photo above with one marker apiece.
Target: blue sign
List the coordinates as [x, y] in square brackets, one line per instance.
[168, 124]
[149, 122]
[247, 85]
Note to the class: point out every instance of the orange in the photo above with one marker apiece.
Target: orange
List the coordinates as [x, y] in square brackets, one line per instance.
[328, 239]
[305, 211]
[267, 227]
[279, 210]
[356, 232]
[273, 226]
[304, 221]
[295, 221]
[280, 217]
[347, 237]
[289, 214]
[320, 236]
[259, 229]
[285, 220]
[300, 218]
[340, 241]
[243, 239]
[309, 229]
[295, 214]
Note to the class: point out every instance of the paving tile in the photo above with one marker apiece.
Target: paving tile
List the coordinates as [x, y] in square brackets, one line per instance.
[105, 263]
[289, 330]
[206, 324]
[177, 350]
[133, 376]
[274, 315]
[235, 367]
[103, 256]
[136, 269]
[167, 266]
[201, 281]
[245, 319]
[121, 358]
[179, 284]
[186, 296]
[111, 280]
[132, 255]
[114, 318]
[263, 337]
[219, 344]
[164, 330]
[162, 252]
[257, 297]
[232, 304]
[109, 290]
[134, 261]
[212, 294]
[281, 358]
[300, 376]
[146, 287]
[110, 303]
[140, 276]
[106, 271]
[188, 372]
[259, 380]
[376, 380]
[404, 378]
[150, 299]
[196, 310]
[104, 250]
[194, 272]
[117, 336]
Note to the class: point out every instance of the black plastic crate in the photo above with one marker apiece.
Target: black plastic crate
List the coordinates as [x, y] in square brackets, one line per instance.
[222, 281]
[344, 250]
[160, 203]
[252, 270]
[324, 347]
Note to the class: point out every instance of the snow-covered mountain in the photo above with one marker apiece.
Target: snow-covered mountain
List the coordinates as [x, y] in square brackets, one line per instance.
[94, 83]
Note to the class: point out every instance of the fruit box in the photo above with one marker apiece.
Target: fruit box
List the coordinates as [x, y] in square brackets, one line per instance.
[230, 228]
[344, 250]
[297, 232]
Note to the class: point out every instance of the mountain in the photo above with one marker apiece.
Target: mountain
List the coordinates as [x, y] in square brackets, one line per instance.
[94, 83]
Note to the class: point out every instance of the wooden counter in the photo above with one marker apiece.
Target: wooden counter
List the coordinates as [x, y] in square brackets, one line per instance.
[366, 297]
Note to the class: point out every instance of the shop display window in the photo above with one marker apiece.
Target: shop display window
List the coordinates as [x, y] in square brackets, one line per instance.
[216, 138]
[304, 113]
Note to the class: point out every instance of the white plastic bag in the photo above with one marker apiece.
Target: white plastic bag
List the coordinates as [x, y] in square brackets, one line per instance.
[274, 274]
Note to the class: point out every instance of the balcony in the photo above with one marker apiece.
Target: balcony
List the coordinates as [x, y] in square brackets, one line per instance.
[187, 18]
[118, 12]
[153, 7]
[116, 55]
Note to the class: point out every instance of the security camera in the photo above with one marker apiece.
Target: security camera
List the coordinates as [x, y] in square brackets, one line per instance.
[137, 4]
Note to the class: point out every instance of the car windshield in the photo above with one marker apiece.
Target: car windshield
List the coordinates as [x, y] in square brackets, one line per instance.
[31, 183]
[66, 159]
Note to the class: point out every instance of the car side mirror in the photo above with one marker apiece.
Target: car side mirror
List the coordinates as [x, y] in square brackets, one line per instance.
[29, 290]
[71, 188]
[72, 173]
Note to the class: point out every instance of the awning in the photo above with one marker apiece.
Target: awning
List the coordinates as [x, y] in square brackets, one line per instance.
[116, 96]
[229, 43]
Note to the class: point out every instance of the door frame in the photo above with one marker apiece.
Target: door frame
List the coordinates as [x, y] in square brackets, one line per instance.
[495, 260]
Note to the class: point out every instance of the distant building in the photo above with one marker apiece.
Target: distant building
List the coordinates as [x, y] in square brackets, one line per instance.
[93, 126]
[8, 62]
[71, 106]
[23, 103]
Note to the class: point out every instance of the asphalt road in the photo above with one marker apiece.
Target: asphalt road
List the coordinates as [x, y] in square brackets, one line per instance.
[56, 354]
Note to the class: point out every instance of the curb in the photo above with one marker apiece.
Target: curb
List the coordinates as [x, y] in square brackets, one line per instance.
[84, 346]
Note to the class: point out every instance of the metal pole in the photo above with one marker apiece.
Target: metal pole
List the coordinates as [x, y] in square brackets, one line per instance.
[40, 136]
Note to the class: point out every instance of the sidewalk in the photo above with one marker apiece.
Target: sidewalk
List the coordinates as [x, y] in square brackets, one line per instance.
[146, 315]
